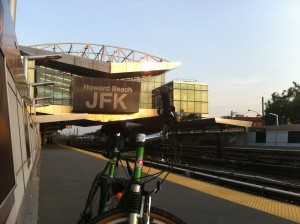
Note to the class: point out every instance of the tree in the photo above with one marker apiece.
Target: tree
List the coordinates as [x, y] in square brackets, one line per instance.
[286, 105]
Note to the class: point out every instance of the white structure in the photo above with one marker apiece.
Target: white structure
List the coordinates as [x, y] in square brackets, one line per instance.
[275, 136]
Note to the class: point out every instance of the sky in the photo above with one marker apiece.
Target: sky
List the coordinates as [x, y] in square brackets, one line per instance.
[243, 50]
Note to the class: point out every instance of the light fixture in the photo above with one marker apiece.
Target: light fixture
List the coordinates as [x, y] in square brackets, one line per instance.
[258, 114]
[27, 58]
[276, 115]
[42, 84]
[34, 105]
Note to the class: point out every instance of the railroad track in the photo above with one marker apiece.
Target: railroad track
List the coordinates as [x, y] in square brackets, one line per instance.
[273, 162]
[259, 185]
[279, 182]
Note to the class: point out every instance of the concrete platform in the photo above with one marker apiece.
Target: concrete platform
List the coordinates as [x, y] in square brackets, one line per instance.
[63, 177]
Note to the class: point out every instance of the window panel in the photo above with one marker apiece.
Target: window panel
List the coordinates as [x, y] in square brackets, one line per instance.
[157, 78]
[177, 85]
[143, 105]
[183, 86]
[57, 101]
[197, 87]
[191, 107]
[198, 108]
[197, 95]
[176, 94]
[144, 86]
[58, 92]
[177, 105]
[204, 96]
[183, 106]
[183, 95]
[190, 86]
[157, 84]
[191, 95]
[204, 87]
[143, 97]
[66, 102]
[150, 86]
[149, 98]
[31, 63]
[50, 89]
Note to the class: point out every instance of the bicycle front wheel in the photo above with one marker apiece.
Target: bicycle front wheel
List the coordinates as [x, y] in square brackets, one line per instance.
[119, 216]
[96, 199]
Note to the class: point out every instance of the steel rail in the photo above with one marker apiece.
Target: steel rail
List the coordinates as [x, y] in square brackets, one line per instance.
[263, 190]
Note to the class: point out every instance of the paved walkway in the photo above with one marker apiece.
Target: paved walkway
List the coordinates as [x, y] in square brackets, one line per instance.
[66, 175]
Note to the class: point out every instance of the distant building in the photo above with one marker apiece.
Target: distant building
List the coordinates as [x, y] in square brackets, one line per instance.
[189, 97]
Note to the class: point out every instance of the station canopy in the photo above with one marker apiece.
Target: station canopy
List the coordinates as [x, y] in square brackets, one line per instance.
[97, 60]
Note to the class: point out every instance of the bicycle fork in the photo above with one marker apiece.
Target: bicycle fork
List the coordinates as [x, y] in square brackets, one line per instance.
[139, 206]
[135, 196]
[134, 204]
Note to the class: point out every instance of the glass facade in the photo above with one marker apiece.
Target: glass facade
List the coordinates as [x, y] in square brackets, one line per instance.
[188, 97]
[61, 92]
[148, 84]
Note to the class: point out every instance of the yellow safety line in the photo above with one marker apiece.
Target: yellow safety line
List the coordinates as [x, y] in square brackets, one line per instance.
[281, 209]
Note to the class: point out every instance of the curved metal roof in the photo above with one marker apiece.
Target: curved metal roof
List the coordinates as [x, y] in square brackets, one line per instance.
[100, 60]
[100, 52]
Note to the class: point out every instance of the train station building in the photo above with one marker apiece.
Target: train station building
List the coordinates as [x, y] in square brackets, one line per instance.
[88, 84]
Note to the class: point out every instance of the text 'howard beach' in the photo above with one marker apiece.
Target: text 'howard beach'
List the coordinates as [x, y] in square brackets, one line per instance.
[107, 88]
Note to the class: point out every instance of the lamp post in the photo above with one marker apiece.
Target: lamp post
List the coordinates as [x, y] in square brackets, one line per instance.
[33, 100]
[276, 115]
[255, 112]
[31, 97]
[27, 58]
[37, 84]
[36, 99]
[37, 57]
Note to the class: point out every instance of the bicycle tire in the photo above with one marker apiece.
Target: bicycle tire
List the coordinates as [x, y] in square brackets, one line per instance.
[95, 203]
[120, 216]
[92, 203]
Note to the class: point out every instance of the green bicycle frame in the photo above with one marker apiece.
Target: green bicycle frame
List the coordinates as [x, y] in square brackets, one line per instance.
[105, 194]
[113, 162]
[134, 183]
[131, 200]
[139, 162]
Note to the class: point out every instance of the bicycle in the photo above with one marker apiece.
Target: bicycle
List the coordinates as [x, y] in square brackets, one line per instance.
[117, 200]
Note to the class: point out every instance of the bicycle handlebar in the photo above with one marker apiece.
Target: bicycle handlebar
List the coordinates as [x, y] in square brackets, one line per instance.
[164, 93]
[168, 117]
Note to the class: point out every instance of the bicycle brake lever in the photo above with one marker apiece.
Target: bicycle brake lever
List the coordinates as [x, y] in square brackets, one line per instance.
[158, 187]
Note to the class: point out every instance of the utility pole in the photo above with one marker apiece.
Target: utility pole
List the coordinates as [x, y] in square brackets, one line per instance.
[262, 106]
